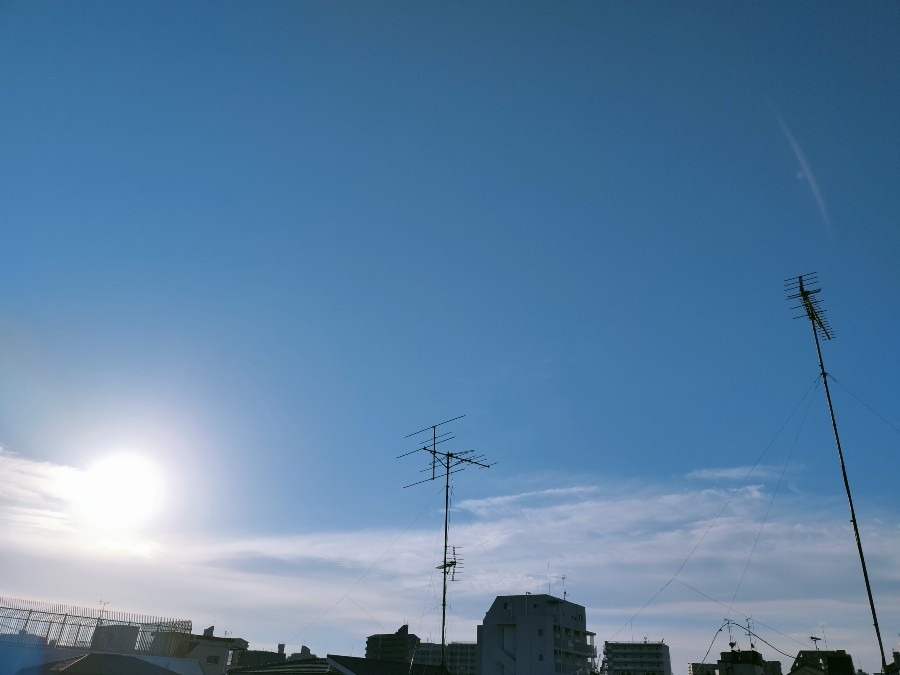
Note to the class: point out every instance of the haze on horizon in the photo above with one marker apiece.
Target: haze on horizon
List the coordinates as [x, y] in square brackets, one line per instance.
[249, 247]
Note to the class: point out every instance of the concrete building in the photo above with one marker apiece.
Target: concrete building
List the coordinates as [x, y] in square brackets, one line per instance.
[400, 646]
[636, 658]
[535, 635]
[461, 657]
[213, 653]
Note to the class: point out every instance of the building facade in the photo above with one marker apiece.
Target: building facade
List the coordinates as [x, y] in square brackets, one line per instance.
[535, 635]
[636, 658]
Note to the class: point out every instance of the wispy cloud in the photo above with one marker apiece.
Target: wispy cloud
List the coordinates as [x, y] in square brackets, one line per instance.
[806, 172]
[617, 546]
[736, 473]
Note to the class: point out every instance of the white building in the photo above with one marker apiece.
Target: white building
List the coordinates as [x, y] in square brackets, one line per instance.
[535, 635]
[636, 658]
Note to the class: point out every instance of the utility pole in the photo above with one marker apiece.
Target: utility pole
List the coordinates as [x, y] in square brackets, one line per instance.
[450, 462]
[797, 289]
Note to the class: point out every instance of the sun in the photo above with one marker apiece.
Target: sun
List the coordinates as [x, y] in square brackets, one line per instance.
[122, 491]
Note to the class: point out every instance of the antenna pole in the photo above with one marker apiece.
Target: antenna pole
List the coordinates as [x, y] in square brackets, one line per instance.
[813, 312]
[451, 462]
[446, 566]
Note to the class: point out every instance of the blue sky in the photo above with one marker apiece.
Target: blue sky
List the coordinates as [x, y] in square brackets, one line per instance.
[259, 243]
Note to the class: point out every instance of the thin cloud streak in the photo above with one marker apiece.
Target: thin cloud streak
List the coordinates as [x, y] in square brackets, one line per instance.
[736, 472]
[806, 169]
[616, 547]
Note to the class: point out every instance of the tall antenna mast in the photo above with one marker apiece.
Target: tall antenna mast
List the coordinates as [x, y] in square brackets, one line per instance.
[451, 462]
[797, 289]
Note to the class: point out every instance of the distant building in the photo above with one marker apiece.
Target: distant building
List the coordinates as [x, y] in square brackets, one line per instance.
[461, 658]
[535, 635]
[304, 653]
[702, 669]
[400, 646]
[636, 658]
[819, 661]
[211, 652]
[737, 663]
[259, 657]
[894, 668]
[406, 647]
[338, 665]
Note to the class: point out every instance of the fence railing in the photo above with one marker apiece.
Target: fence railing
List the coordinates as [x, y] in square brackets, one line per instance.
[27, 622]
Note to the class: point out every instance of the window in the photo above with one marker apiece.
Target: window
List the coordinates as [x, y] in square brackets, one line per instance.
[540, 632]
[540, 657]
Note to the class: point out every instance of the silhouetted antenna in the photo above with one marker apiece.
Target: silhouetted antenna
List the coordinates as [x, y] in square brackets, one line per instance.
[798, 288]
[731, 642]
[450, 462]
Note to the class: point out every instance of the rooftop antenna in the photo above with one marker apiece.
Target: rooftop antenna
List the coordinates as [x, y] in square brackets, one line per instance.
[103, 604]
[564, 586]
[456, 562]
[450, 462]
[798, 289]
[750, 633]
[815, 641]
[731, 642]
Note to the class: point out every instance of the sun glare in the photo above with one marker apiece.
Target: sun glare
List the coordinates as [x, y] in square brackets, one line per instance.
[120, 491]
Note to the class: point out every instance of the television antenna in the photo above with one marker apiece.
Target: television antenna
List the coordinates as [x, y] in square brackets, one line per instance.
[450, 462]
[103, 604]
[798, 289]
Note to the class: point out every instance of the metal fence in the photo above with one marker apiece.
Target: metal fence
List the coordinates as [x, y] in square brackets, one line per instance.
[26, 622]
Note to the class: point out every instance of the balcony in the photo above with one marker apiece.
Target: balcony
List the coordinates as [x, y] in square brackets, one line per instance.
[575, 647]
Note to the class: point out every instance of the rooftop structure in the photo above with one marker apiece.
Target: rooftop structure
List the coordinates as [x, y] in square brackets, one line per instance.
[827, 661]
[25, 622]
[34, 634]
[737, 662]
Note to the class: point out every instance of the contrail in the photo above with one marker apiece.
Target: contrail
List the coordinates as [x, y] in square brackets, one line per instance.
[807, 172]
